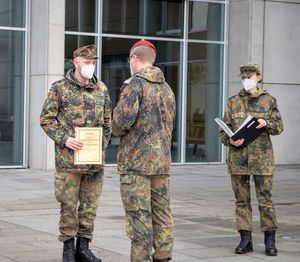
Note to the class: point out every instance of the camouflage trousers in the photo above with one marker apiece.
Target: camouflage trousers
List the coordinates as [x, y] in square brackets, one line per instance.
[243, 213]
[149, 223]
[79, 196]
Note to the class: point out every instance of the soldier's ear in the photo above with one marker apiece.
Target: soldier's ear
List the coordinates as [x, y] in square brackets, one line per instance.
[76, 62]
[260, 78]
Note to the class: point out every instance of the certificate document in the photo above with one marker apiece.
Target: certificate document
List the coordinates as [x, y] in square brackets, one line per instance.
[91, 151]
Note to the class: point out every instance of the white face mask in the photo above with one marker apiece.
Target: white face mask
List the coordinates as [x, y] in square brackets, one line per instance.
[248, 83]
[87, 71]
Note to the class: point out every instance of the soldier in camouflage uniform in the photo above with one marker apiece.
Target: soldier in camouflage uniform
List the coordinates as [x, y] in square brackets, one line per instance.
[255, 159]
[144, 119]
[78, 100]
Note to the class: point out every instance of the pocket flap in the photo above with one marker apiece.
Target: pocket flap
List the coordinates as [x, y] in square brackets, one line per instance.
[127, 179]
[239, 115]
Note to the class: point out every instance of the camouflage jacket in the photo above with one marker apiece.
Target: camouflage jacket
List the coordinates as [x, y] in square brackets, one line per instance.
[71, 105]
[257, 158]
[144, 119]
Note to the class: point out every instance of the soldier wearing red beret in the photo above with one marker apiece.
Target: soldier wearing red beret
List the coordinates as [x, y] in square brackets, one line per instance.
[144, 119]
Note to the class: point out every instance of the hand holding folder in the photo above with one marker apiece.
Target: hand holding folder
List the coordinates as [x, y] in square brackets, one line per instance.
[247, 131]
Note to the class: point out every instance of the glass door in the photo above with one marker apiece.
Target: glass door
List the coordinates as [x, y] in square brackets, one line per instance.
[12, 84]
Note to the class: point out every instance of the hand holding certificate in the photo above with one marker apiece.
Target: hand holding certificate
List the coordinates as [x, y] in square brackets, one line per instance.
[91, 151]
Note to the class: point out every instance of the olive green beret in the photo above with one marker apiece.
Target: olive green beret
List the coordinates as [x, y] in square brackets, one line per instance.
[88, 51]
[250, 68]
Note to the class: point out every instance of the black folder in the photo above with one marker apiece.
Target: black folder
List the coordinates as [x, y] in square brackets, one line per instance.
[247, 130]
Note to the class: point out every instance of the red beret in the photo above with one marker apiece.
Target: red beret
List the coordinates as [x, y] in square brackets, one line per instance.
[145, 43]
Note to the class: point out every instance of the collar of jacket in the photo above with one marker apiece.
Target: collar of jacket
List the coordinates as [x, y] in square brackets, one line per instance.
[152, 74]
[259, 92]
[70, 76]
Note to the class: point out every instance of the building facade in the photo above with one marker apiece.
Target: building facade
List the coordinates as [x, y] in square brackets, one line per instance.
[200, 43]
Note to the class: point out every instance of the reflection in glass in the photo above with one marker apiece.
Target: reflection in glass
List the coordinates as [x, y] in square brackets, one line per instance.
[12, 13]
[206, 21]
[11, 97]
[204, 87]
[115, 70]
[168, 59]
[140, 17]
[81, 15]
[72, 42]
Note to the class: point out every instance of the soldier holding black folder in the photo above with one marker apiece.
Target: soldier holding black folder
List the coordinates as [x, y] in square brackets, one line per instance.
[255, 158]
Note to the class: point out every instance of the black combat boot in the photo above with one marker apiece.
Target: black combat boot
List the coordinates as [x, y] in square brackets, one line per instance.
[83, 253]
[245, 244]
[69, 251]
[271, 249]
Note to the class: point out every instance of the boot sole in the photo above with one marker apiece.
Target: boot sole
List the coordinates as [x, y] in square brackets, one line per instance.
[244, 251]
[271, 254]
[78, 259]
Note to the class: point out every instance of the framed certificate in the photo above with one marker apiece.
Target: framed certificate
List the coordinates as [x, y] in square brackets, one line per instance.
[91, 152]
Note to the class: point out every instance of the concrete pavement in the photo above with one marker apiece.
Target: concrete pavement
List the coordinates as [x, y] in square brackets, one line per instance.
[202, 206]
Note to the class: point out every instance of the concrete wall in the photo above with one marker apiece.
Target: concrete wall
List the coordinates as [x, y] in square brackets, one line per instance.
[46, 66]
[268, 33]
[282, 72]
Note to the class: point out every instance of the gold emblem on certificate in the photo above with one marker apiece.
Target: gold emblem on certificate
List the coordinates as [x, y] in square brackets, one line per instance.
[91, 152]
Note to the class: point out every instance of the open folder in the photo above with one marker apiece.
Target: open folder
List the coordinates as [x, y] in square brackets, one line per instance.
[247, 130]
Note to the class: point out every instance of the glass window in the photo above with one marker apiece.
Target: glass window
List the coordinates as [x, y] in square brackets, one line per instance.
[161, 18]
[72, 42]
[169, 60]
[81, 15]
[11, 97]
[206, 21]
[115, 70]
[12, 13]
[140, 17]
[204, 85]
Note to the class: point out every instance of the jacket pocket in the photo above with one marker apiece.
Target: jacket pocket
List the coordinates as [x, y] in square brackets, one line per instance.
[99, 109]
[238, 118]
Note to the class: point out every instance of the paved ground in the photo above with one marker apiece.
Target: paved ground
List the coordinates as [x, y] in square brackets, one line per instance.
[202, 205]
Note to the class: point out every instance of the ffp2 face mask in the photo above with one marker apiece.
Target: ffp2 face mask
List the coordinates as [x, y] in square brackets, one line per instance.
[248, 83]
[87, 71]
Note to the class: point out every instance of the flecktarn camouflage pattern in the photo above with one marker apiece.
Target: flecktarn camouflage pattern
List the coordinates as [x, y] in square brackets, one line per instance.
[88, 51]
[148, 215]
[68, 105]
[144, 119]
[257, 158]
[242, 192]
[71, 188]
[254, 160]
[250, 69]
[71, 105]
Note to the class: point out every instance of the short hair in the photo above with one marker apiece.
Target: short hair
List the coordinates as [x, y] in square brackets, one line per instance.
[144, 53]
